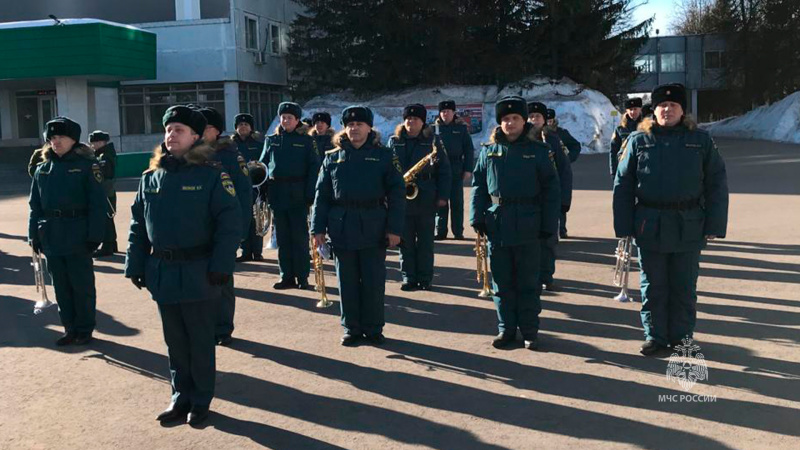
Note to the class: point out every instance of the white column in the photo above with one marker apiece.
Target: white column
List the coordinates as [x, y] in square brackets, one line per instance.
[187, 9]
[73, 101]
[6, 124]
[694, 103]
[231, 103]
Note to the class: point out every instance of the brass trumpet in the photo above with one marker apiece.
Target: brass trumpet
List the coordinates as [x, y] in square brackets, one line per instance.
[482, 255]
[319, 275]
[38, 275]
[622, 269]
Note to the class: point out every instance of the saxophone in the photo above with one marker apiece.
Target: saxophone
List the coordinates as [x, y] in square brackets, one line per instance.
[412, 190]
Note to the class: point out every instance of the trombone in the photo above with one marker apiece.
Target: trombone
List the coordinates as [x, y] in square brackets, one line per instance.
[39, 268]
[622, 269]
[481, 253]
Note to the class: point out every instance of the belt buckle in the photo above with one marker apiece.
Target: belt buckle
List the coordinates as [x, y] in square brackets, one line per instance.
[57, 213]
[167, 255]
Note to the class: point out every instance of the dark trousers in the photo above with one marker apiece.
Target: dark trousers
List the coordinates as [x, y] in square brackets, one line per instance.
[515, 279]
[291, 228]
[547, 265]
[110, 236]
[562, 224]
[253, 244]
[189, 334]
[456, 207]
[73, 281]
[362, 285]
[416, 249]
[669, 294]
[226, 307]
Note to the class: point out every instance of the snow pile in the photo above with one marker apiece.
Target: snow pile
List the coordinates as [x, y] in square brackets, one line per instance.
[586, 113]
[777, 122]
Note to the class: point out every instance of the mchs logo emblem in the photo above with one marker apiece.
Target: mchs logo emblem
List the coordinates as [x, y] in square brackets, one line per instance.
[687, 366]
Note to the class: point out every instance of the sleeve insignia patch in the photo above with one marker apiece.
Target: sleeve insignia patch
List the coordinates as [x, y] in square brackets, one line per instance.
[228, 184]
[98, 176]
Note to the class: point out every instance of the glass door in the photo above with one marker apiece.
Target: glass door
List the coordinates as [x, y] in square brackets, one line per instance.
[47, 110]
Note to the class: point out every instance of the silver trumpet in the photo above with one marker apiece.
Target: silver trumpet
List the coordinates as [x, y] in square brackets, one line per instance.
[623, 269]
[39, 268]
[261, 212]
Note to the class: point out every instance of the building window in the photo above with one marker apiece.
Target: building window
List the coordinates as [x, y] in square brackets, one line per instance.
[251, 32]
[713, 60]
[274, 38]
[672, 62]
[646, 63]
[261, 101]
[142, 107]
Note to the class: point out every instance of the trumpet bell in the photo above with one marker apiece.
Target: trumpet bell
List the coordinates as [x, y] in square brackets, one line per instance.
[623, 297]
[41, 305]
[258, 173]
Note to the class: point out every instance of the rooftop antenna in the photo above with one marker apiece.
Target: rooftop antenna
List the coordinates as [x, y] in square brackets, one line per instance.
[58, 22]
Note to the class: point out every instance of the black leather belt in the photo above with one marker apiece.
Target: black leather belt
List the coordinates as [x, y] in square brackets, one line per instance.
[183, 254]
[286, 179]
[679, 206]
[66, 213]
[359, 204]
[508, 201]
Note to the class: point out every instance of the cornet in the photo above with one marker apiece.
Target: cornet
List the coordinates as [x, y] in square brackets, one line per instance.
[38, 274]
[622, 269]
[482, 256]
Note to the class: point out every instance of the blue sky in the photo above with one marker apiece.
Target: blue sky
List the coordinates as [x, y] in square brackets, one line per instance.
[662, 10]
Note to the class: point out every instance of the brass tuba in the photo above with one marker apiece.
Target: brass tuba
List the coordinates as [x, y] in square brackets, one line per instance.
[412, 190]
[39, 269]
[482, 255]
[622, 269]
[261, 212]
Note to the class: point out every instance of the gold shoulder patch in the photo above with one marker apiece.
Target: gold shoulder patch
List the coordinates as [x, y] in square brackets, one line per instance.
[243, 165]
[228, 184]
[98, 176]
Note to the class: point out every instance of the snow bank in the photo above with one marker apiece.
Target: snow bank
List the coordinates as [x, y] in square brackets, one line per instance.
[778, 122]
[586, 113]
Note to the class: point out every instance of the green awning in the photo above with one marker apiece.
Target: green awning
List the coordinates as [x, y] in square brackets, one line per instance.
[95, 49]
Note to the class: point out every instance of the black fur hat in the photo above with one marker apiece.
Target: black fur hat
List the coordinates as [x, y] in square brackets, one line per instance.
[551, 114]
[511, 104]
[62, 126]
[187, 116]
[246, 118]
[635, 102]
[290, 108]
[537, 107]
[214, 118]
[447, 104]
[357, 113]
[98, 135]
[674, 92]
[321, 117]
[415, 110]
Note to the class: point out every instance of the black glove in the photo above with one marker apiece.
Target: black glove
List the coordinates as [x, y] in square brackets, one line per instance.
[564, 209]
[138, 281]
[479, 228]
[36, 246]
[218, 278]
[92, 246]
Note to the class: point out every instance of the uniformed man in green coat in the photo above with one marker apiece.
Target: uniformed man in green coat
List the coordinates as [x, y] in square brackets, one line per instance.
[573, 149]
[185, 229]
[457, 143]
[515, 203]
[360, 204]
[250, 144]
[559, 155]
[413, 140]
[227, 153]
[106, 156]
[322, 132]
[630, 121]
[292, 166]
[67, 223]
[671, 196]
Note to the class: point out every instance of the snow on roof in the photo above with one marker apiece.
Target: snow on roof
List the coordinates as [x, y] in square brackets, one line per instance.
[64, 22]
